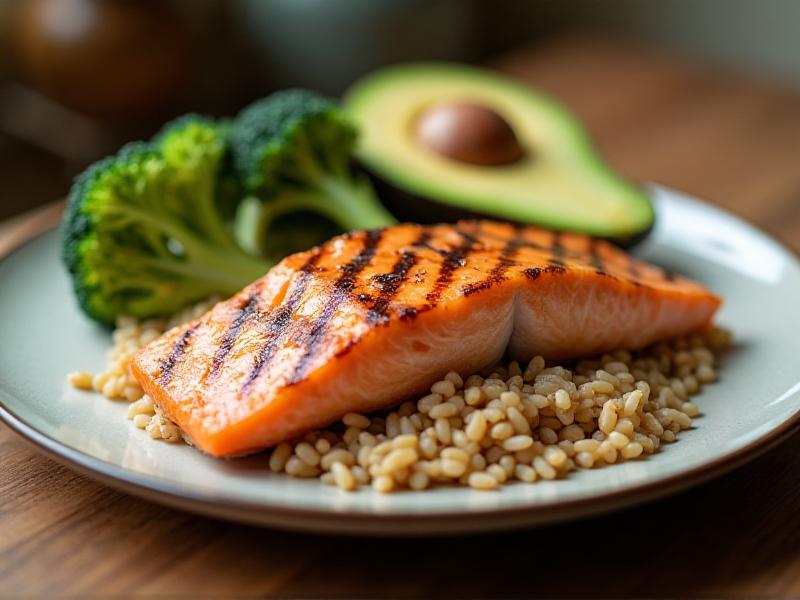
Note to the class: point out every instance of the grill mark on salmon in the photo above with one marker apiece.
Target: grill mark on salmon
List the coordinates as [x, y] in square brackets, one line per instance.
[633, 272]
[341, 288]
[521, 241]
[451, 260]
[557, 250]
[498, 272]
[595, 259]
[532, 273]
[425, 243]
[172, 359]
[365, 298]
[390, 282]
[242, 317]
[408, 313]
[279, 322]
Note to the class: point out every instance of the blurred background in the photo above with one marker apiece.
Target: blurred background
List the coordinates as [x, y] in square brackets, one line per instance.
[80, 77]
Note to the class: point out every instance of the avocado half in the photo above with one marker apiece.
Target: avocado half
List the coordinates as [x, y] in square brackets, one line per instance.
[559, 181]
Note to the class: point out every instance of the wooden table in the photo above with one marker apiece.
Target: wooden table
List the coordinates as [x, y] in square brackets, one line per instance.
[735, 142]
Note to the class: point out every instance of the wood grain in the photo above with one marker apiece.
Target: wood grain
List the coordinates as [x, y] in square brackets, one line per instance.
[733, 141]
[15, 232]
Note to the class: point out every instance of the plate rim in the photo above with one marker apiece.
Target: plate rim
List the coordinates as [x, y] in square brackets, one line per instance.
[396, 522]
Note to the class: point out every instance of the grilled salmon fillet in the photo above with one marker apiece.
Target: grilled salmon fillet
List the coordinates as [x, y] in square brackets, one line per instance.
[372, 317]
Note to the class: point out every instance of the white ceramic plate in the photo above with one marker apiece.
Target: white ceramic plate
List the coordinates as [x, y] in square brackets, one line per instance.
[755, 405]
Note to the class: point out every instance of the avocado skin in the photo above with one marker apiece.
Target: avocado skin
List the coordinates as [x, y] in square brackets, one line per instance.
[409, 207]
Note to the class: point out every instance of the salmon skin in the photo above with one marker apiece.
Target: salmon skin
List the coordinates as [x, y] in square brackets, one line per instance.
[371, 317]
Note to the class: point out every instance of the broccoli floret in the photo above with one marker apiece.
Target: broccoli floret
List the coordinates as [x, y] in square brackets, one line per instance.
[143, 234]
[292, 153]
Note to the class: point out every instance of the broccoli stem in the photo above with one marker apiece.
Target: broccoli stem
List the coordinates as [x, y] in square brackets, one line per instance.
[200, 277]
[352, 203]
[182, 295]
[213, 223]
[348, 203]
[222, 264]
[214, 227]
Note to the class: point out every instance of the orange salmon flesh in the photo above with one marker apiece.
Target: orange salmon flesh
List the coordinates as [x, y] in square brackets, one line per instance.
[370, 318]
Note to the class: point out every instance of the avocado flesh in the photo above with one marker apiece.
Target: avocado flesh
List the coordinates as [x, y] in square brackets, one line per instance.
[560, 182]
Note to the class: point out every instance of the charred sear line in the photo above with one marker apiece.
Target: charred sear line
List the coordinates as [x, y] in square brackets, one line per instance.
[390, 284]
[597, 261]
[350, 270]
[428, 246]
[558, 251]
[532, 273]
[408, 313]
[451, 260]
[170, 362]
[424, 242]
[634, 276]
[278, 325]
[423, 239]
[243, 316]
[278, 322]
[521, 242]
[479, 286]
[498, 272]
[341, 288]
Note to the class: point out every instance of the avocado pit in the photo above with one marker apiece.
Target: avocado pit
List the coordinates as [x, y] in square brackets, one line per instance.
[468, 132]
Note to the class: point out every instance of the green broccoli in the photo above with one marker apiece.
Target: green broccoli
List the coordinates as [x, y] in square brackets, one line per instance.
[143, 234]
[292, 152]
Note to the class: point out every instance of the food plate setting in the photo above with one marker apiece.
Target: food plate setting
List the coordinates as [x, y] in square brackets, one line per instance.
[753, 406]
